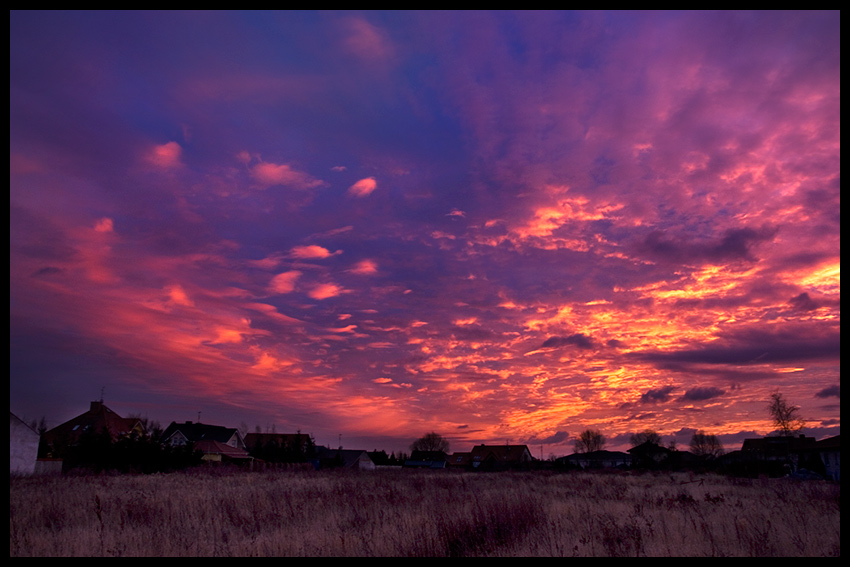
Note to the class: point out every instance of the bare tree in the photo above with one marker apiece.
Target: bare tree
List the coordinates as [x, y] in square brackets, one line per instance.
[786, 418]
[431, 442]
[706, 445]
[588, 441]
[644, 436]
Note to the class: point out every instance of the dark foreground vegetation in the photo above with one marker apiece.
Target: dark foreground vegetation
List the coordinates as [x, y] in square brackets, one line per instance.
[215, 512]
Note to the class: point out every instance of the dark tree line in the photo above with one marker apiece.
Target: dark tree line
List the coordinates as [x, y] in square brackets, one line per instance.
[97, 451]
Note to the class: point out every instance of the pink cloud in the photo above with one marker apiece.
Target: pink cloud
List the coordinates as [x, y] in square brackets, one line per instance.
[285, 282]
[269, 174]
[325, 291]
[312, 252]
[166, 156]
[365, 268]
[364, 187]
[366, 41]
[104, 225]
[177, 296]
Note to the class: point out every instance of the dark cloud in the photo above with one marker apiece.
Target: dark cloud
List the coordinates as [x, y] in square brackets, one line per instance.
[759, 346]
[579, 340]
[735, 244]
[657, 395]
[831, 391]
[803, 302]
[699, 394]
[554, 439]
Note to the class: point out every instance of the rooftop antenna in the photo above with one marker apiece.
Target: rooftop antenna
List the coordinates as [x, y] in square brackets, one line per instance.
[102, 388]
[199, 417]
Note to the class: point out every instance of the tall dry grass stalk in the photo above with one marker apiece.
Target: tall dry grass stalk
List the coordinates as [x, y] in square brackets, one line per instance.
[407, 513]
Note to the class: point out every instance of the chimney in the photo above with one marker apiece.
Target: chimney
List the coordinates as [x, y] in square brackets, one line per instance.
[96, 406]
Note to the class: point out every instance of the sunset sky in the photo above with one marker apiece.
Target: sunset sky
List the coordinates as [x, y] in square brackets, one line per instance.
[503, 227]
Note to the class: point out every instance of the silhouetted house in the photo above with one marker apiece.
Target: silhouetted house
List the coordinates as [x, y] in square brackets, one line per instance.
[596, 460]
[829, 451]
[500, 457]
[99, 420]
[781, 454]
[23, 446]
[649, 455]
[216, 443]
[381, 459]
[426, 460]
[348, 459]
[459, 460]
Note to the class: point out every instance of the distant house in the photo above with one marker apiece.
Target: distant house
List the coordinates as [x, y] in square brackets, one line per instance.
[500, 457]
[217, 443]
[427, 460]
[774, 456]
[98, 420]
[187, 432]
[597, 460]
[23, 446]
[830, 454]
[459, 460]
[280, 447]
[348, 459]
[788, 452]
[650, 455]
[217, 452]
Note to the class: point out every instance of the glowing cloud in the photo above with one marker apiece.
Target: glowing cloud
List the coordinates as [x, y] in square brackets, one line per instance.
[177, 296]
[104, 225]
[363, 188]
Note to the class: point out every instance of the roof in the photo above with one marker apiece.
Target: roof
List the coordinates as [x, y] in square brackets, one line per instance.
[209, 447]
[830, 443]
[459, 459]
[501, 453]
[346, 458]
[197, 431]
[98, 418]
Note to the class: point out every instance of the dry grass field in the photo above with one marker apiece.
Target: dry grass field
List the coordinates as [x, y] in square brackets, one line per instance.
[433, 513]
